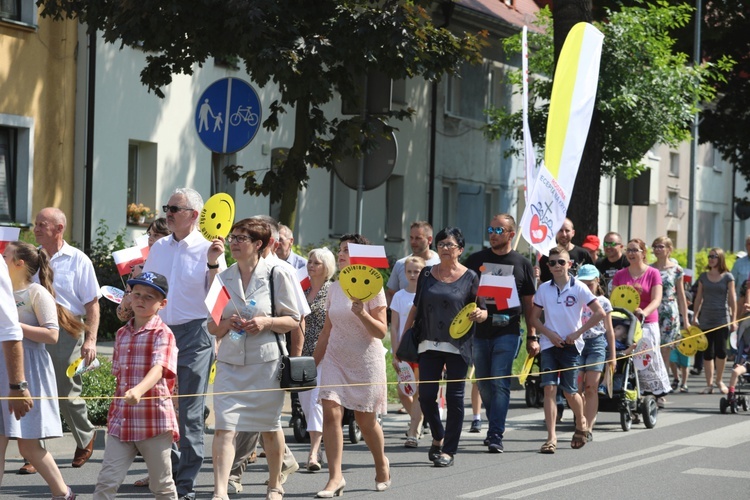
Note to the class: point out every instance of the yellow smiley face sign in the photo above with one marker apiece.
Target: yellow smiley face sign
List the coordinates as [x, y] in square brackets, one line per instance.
[626, 297]
[217, 216]
[461, 324]
[71, 371]
[360, 282]
[688, 347]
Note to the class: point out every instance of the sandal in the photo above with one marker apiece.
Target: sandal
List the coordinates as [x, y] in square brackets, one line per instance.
[141, 483]
[411, 442]
[548, 448]
[708, 390]
[579, 439]
[723, 388]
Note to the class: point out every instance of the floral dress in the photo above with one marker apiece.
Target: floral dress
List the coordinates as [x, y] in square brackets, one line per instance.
[669, 312]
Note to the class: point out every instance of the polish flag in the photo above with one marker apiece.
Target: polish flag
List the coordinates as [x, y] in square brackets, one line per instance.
[7, 235]
[127, 258]
[142, 243]
[368, 255]
[500, 288]
[303, 278]
[217, 299]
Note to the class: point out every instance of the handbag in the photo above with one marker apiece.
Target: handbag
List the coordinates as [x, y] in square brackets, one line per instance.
[408, 347]
[296, 373]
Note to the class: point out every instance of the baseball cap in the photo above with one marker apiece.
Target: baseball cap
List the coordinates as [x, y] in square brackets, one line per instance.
[154, 280]
[586, 272]
[591, 242]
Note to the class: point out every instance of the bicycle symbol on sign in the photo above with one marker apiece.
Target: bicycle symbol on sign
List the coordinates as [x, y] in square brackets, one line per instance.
[244, 114]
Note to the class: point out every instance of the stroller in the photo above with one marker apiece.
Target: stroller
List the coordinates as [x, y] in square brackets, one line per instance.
[627, 399]
[299, 424]
[740, 395]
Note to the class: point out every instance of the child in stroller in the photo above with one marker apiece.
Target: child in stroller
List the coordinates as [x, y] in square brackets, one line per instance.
[734, 398]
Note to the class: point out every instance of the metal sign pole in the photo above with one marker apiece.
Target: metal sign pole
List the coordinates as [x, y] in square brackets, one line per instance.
[361, 166]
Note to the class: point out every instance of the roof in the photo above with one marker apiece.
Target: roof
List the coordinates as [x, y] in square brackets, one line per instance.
[519, 13]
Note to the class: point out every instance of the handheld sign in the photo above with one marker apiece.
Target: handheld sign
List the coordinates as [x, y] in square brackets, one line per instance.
[626, 297]
[113, 294]
[217, 216]
[526, 369]
[406, 379]
[78, 367]
[461, 324]
[360, 282]
[212, 374]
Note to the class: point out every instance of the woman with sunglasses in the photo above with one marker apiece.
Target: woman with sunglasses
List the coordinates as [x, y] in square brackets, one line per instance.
[715, 309]
[442, 291]
[653, 376]
[673, 307]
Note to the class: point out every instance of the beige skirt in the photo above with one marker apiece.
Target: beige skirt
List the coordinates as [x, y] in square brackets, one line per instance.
[248, 411]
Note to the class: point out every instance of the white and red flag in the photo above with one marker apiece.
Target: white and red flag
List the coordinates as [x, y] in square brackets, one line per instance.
[368, 255]
[303, 277]
[217, 298]
[142, 243]
[7, 235]
[127, 258]
[501, 288]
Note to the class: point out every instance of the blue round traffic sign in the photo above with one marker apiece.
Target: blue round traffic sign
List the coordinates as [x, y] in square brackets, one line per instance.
[227, 115]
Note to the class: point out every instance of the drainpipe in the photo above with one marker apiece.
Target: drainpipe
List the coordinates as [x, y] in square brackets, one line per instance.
[89, 161]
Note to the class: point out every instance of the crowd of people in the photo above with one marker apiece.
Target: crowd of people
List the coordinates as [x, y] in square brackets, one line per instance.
[169, 341]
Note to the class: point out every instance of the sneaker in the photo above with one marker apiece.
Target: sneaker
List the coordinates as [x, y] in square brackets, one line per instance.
[602, 390]
[683, 388]
[496, 444]
[476, 426]
[695, 371]
[234, 486]
[486, 441]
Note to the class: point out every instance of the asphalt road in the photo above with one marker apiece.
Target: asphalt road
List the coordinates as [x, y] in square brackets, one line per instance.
[693, 452]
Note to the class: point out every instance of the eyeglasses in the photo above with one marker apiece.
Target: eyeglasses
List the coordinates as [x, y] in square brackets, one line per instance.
[611, 244]
[557, 262]
[239, 238]
[659, 247]
[713, 256]
[496, 230]
[449, 246]
[633, 250]
[173, 208]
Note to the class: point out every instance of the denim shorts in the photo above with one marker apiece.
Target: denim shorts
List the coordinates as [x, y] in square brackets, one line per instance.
[560, 358]
[594, 354]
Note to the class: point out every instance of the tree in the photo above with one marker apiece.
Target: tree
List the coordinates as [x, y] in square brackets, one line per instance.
[647, 93]
[312, 50]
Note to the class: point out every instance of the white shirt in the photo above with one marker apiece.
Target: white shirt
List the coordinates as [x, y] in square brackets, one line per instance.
[74, 279]
[272, 260]
[183, 263]
[401, 303]
[9, 327]
[562, 309]
[398, 280]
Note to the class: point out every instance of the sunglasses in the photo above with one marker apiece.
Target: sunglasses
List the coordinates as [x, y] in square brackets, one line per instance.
[496, 230]
[558, 262]
[610, 244]
[713, 256]
[173, 208]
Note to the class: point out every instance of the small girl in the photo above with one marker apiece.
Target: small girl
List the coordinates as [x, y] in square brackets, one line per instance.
[400, 307]
[39, 315]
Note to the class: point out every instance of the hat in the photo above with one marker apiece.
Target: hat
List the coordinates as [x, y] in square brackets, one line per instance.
[591, 242]
[585, 272]
[154, 280]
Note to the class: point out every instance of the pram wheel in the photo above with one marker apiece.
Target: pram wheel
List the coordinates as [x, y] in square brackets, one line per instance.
[649, 411]
[299, 425]
[723, 403]
[743, 401]
[532, 395]
[733, 406]
[355, 434]
[626, 421]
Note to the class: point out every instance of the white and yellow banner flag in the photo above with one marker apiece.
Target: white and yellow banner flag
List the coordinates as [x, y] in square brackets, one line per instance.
[571, 108]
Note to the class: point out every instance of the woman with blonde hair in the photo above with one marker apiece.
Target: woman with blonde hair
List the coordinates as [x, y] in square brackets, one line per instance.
[715, 309]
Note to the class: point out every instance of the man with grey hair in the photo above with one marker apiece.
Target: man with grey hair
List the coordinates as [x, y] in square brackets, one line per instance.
[741, 269]
[183, 257]
[76, 289]
[284, 249]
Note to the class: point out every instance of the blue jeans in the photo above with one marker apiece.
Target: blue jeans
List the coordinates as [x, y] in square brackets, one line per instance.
[196, 353]
[494, 358]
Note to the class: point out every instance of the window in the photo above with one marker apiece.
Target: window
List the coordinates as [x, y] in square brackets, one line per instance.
[673, 203]
[468, 91]
[339, 210]
[398, 91]
[394, 208]
[16, 167]
[220, 183]
[142, 173]
[470, 213]
[674, 164]
[20, 11]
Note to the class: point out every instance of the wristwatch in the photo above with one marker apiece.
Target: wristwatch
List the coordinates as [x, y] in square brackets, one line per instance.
[215, 266]
[21, 386]
[532, 338]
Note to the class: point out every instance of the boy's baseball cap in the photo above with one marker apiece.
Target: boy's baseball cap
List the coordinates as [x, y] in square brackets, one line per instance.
[591, 242]
[585, 273]
[154, 280]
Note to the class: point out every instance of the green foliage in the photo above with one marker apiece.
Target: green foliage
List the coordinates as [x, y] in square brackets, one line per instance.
[311, 50]
[96, 383]
[647, 92]
[106, 274]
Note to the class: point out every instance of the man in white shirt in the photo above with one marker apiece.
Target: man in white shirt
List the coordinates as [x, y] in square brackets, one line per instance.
[741, 269]
[284, 248]
[11, 337]
[76, 289]
[183, 258]
[420, 240]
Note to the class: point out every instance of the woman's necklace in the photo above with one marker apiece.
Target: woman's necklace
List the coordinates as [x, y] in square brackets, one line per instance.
[439, 275]
[637, 277]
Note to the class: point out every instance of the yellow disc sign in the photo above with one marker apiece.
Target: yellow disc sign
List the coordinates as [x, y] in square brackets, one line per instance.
[217, 216]
[626, 297]
[73, 367]
[461, 324]
[360, 282]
